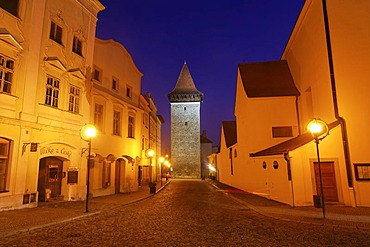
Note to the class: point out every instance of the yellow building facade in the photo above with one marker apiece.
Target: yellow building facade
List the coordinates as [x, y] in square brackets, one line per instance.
[56, 77]
[325, 59]
[46, 48]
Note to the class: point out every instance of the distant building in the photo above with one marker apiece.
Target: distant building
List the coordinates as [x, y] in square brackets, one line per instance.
[205, 151]
[185, 102]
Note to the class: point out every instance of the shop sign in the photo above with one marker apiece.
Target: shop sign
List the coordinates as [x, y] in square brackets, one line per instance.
[56, 150]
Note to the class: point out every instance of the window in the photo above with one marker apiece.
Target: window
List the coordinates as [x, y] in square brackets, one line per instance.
[235, 153]
[56, 33]
[129, 92]
[74, 99]
[77, 46]
[4, 162]
[115, 84]
[142, 143]
[131, 126]
[106, 175]
[10, 6]
[97, 74]
[145, 119]
[6, 74]
[282, 131]
[116, 123]
[98, 116]
[264, 165]
[52, 92]
[362, 171]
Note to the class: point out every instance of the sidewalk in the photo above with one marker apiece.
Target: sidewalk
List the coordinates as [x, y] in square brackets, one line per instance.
[50, 213]
[335, 215]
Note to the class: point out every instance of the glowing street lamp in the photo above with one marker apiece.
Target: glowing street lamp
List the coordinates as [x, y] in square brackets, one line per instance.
[88, 132]
[319, 130]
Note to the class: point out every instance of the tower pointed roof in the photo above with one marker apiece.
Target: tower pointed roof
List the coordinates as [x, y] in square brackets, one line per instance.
[185, 90]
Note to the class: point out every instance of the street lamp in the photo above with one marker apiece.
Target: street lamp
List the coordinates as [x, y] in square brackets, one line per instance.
[88, 131]
[319, 130]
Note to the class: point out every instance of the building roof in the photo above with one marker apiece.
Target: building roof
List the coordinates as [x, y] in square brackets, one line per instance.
[185, 90]
[267, 79]
[230, 135]
[204, 138]
[291, 144]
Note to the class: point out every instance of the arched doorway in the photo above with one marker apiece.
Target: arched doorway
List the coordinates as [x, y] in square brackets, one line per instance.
[49, 184]
[120, 173]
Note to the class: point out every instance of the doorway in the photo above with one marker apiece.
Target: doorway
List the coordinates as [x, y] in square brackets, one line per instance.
[329, 183]
[49, 184]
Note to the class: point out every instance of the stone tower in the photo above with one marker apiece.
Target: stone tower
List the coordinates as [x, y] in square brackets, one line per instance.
[185, 102]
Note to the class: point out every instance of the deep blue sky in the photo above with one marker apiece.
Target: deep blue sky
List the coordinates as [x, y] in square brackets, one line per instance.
[213, 37]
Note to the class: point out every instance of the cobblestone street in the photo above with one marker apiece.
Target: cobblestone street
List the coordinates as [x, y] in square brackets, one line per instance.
[187, 213]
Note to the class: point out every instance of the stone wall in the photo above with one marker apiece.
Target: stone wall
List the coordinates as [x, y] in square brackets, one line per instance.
[185, 139]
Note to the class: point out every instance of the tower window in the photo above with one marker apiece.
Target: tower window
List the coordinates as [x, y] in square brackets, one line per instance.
[186, 123]
[184, 108]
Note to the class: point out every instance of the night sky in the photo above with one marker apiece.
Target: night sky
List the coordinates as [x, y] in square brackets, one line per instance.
[213, 37]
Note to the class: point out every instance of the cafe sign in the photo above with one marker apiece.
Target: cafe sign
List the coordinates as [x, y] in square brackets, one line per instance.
[56, 150]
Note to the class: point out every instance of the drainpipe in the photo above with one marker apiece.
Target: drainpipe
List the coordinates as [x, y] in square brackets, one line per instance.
[298, 117]
[335, 102]
[287, 159]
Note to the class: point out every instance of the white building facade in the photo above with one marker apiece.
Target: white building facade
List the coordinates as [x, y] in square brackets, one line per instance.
[46, 48]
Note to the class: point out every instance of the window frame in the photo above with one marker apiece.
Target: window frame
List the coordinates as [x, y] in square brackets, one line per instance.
[131, 126]
[77, 45]
[99, 116]
[115, 83]
[56, 32]
[74, 99]
[97, 74]
[282, 131]
[360, 174]
[5, 153]
[6, 73]
[52, 98]
[117, 122]
[129, 92]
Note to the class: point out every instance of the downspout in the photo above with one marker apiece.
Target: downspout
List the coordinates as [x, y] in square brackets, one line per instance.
[335, 102]
[287, 159]
[298, 117]
[231, 160]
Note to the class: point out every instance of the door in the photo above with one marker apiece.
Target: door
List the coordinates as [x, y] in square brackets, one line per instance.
[329, 183]
[49, 183]
[117, 179]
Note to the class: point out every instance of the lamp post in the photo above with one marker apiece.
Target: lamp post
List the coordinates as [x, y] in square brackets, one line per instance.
[88, 131]
[319, 130]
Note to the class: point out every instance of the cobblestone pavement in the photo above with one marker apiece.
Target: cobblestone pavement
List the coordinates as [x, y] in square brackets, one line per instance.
[187, 213]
